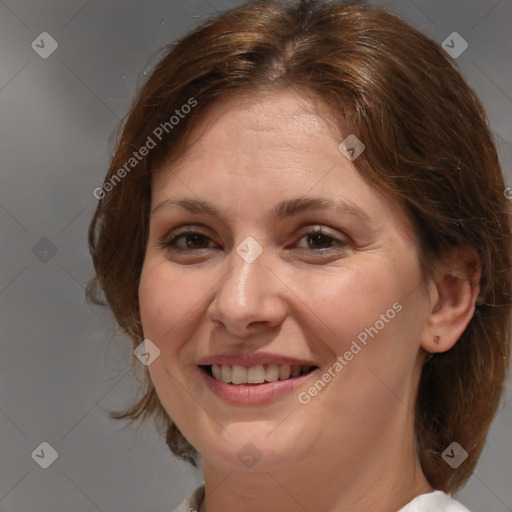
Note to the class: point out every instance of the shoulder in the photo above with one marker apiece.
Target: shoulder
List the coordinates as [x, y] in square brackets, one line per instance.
[193, 501]
[436, 501]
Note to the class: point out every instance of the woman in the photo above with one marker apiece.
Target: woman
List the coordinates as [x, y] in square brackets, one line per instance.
[303, 230]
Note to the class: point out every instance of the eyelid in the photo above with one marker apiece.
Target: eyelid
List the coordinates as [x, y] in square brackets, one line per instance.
[321, 230]
[166, 241]
[341, 241]
[181, 231]
[186, 228]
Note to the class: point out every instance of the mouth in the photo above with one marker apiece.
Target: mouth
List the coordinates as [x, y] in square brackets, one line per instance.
[256, 375]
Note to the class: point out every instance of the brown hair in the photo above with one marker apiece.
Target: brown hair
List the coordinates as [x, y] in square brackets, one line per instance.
[427, 142]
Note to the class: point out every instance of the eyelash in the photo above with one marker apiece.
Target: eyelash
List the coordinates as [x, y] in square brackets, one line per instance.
[169, 244]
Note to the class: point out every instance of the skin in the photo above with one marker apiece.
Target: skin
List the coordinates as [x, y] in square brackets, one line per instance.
[351, 448]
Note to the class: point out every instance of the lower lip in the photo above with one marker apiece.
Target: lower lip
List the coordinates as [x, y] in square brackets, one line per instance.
[253, 394]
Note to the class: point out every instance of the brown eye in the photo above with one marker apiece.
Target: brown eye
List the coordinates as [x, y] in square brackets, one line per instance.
[317, 239]
[190, 240]
[320, 241]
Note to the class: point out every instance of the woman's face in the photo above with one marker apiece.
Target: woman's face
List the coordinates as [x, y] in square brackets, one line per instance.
[279, 257]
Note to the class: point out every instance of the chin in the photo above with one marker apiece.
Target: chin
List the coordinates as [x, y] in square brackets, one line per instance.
[242, 448]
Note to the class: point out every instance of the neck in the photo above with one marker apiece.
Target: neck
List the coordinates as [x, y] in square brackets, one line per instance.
[384, 477]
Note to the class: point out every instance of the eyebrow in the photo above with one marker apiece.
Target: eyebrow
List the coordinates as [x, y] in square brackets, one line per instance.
[283, 209]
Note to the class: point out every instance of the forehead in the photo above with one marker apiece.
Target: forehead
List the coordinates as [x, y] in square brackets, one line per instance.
[265, 131]
[245, 157]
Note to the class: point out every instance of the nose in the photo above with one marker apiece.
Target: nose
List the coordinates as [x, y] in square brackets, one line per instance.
[249, 298]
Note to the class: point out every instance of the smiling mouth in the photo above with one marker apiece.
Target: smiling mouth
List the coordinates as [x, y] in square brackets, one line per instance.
[255, 375]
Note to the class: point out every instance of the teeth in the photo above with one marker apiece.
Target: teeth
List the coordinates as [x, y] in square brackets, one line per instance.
[256, 374]
[238, 375]
[284, 372]
[217, 371]
[295, 371]
[272, 373]
[226, 373]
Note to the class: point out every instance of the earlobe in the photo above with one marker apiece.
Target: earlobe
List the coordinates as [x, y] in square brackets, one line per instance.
[457, 287]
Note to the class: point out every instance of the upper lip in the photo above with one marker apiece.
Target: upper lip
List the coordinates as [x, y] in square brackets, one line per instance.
[253, 359]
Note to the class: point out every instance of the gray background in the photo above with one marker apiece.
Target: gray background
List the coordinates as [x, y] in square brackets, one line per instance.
[59, 375]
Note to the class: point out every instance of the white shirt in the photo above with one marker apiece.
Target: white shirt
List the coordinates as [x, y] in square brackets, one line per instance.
[436, 501]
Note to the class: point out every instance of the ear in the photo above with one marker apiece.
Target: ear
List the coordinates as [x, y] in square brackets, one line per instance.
[453, 294]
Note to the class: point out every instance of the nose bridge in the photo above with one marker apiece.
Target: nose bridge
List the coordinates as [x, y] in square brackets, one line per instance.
[248, 293]
[242, 286]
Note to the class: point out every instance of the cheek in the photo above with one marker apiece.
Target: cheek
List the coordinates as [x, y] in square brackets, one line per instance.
[346, 301]
[378, 352]
[152, 302]
[165, 303]
[371, 315]
[167, 310]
